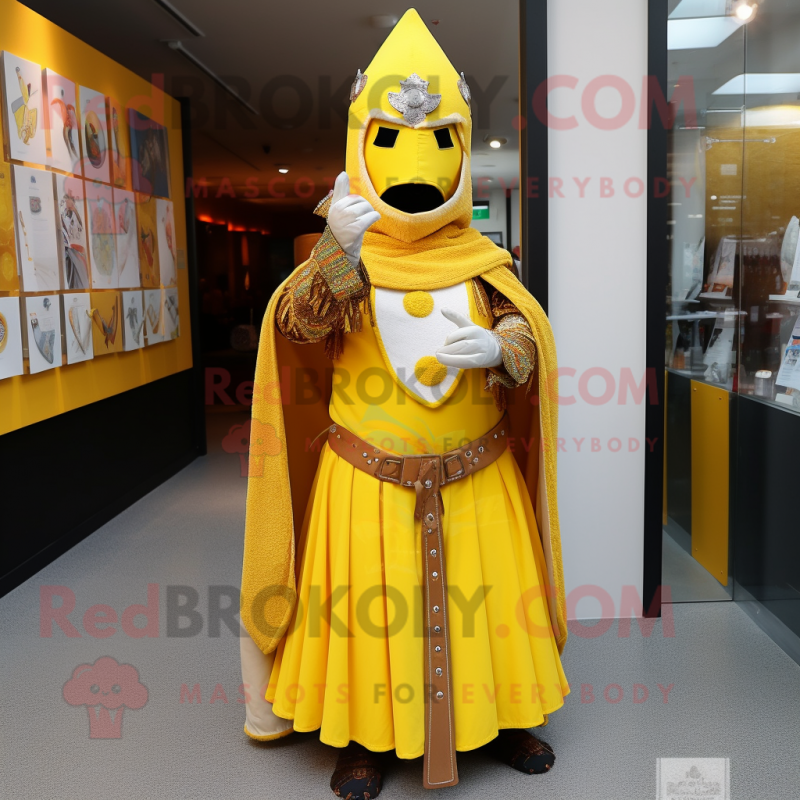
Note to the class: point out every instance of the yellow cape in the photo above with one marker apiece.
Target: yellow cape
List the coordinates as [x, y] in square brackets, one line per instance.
[424, 251]
[290, 407]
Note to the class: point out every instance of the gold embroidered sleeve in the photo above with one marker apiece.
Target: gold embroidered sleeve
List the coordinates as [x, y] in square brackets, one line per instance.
[323, 300]
[518, 348]
[502, 306]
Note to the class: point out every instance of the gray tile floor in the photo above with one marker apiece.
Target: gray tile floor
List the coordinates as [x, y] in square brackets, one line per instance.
[688, 580]
[735, 694]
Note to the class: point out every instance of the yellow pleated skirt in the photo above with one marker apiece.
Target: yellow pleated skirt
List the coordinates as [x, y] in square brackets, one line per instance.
[351, 664]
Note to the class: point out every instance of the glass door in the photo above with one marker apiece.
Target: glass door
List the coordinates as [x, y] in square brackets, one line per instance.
[707, 246]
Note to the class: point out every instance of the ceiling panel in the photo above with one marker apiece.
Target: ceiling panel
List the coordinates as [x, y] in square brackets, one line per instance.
[319, 46]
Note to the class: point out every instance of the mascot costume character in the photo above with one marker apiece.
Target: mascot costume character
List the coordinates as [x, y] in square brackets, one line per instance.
[402, 585]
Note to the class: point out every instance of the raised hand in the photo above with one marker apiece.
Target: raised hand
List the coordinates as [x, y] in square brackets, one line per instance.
[349, 217]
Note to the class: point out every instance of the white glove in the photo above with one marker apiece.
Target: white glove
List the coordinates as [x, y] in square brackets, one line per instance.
[468, 346]
[349, 217]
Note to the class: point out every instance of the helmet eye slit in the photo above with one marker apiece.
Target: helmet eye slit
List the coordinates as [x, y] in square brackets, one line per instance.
[386, 137]
[443, 138]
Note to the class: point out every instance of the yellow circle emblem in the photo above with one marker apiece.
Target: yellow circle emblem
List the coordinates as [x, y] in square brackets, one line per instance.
[428, 371]
[418, 304]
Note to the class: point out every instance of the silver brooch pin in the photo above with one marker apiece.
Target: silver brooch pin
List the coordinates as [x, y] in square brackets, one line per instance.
[414, 101]
[358, 86]
[463, 87]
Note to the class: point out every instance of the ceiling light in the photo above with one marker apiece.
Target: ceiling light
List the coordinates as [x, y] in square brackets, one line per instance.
[495, 142]
[384, 20]
[691, 34]
[762, 83]
[745, 11]
[283, 170]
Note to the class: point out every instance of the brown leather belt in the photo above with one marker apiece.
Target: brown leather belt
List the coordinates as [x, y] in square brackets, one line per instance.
[426, 474]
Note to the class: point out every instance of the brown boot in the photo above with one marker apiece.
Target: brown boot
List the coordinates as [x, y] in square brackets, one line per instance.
[358, 774]
[523, 751]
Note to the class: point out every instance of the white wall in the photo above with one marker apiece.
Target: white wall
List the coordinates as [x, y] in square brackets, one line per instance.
[597, 294]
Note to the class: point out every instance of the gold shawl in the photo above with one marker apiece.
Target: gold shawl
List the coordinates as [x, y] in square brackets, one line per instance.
[282, 464]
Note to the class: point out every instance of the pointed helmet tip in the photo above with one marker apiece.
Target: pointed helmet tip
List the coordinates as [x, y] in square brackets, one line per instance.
[411, 15]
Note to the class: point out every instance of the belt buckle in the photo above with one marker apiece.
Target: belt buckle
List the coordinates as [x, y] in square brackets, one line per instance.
[453, 468]
[391, 470]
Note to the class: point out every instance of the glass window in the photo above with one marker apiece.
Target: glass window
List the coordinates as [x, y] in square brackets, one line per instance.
[733, 318]
[705, 163]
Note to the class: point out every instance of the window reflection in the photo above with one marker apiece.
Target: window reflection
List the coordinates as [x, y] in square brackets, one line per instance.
[733, 320]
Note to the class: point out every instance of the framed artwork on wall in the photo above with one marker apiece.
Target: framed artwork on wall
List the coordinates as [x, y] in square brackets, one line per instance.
[23, 110]
[71, 205]
[167, 255]
[43, 329]
[42, 120]
[94, 128]
[120, 145]
[106, 322]
[62, 130]
[150, 155]
[133, 320]
[10, 338]
[9, 275]
[127, 239]
[153, 314]
[149, 266]
[102, 245]
[35, 219]
[172, 321]
[78, 327]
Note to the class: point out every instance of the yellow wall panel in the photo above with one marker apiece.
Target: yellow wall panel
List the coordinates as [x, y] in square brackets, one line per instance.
[710, 478]
[27, 399]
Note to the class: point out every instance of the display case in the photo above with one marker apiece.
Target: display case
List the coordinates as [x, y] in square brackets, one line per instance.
[733, 303]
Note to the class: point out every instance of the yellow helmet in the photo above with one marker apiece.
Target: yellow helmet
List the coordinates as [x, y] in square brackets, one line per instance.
[409, 132]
